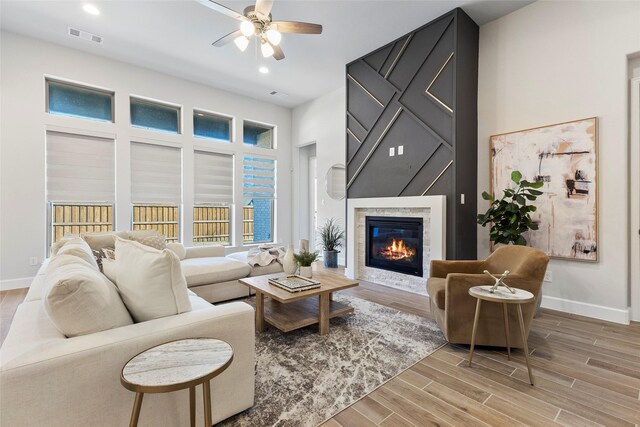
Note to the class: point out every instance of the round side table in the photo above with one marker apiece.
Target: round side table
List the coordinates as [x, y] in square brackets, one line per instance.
[503, 296]
[177, 365]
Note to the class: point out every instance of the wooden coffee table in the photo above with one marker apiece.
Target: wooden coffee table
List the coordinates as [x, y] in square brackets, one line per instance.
[288, 311]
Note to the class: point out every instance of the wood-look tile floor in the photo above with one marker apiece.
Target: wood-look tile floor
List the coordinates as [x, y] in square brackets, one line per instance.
[587, 373]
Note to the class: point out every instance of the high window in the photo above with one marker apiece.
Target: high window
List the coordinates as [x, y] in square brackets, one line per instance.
[69, 99]
[211, 126]
[213, 197]
[80, 182]
[257, 135]
[156, 188]
[154, 115]
[259, 194]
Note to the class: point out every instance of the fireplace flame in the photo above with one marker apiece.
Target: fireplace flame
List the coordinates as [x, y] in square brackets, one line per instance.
[397, 251]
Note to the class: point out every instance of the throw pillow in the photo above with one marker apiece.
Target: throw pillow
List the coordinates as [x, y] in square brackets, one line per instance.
[156, 242]
[109, 269]
[78, 248]
[141, 233]
[150, 281]
[102, 239]
[178, 249]
[79, 300]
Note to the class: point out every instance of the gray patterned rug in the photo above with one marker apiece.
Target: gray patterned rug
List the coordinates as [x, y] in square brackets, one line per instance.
[303, 378]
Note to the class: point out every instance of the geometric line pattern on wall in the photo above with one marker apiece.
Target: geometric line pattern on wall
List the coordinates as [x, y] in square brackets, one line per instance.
[395, 61]
[365, 90]
[437, 178]
[373, 149]
[354, 136]
[434, 80]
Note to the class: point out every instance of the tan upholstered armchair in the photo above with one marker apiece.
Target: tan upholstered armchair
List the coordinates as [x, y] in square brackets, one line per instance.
[453, 308]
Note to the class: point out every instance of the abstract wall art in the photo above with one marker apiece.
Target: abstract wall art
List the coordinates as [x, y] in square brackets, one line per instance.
[564, 157]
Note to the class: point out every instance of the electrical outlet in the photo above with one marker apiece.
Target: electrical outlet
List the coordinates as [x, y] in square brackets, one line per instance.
[392, 151]
[33, 261]
[400, 150]
[548, 276]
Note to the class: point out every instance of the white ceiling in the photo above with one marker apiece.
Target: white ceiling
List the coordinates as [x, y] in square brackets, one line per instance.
[175, 37]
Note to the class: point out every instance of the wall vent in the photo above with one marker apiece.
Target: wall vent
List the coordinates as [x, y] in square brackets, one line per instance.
[277, 94]
[85, 35]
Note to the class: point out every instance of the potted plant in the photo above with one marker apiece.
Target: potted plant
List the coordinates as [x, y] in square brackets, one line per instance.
[304, 259]
[331, 237]
[510, 216]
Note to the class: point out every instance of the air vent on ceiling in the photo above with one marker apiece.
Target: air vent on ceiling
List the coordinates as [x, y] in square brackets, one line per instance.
[278, 94]
[85, 35]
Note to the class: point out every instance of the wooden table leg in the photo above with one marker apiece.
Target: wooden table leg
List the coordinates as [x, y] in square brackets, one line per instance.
[206, 392]
[135, 414]
[323, 310]
[524, 343]
[192, 406]
[259, 311]
[473, 332]
[505, 314]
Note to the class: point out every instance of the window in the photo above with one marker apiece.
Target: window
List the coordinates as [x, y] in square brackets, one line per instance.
[259, 176]
[153, 115]
[213, 196]
[80, 175]
[258, 135]
[79, 101]
[212, 126]
[156, 188]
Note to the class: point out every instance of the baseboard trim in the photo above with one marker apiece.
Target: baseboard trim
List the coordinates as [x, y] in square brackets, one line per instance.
[585, 309]
[7, 285]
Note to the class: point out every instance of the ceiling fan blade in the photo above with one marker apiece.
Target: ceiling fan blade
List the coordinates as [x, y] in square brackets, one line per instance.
[264, 7]
[222, 9]
[277, 52]
[297, 27]
[227, 39]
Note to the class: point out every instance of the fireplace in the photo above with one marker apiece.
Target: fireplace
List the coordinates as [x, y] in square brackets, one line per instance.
[394, 243]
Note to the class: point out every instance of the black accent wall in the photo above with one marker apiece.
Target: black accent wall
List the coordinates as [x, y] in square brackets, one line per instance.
[419, 91]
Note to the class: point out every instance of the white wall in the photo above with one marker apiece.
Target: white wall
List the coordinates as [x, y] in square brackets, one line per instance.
[321, 121]
[553, 62]
[24, 64]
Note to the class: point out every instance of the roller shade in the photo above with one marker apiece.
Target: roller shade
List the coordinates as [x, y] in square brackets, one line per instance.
[259, 176]
[80, 168]
[155, 174]
[213, 176]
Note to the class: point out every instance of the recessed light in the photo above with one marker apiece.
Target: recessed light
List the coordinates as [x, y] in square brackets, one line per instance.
[91, 9]
[263, 70]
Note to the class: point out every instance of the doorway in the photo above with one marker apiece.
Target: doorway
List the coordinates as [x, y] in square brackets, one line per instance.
[634, 168]
[307, 192]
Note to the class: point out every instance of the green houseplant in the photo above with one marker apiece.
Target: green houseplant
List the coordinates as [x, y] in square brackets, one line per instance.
[305, 259]
[331, 237]
[510, 216]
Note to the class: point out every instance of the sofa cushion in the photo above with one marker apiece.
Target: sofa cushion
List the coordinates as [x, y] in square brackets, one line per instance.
[78, 248]
[178, 249]
[102, 239]
[156, 242]
[109, 269]
[436, 290]
[205, 271]
[79, 299]
[150, 281]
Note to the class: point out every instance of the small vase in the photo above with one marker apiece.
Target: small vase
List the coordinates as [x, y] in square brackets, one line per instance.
[330, 259]
[305, 271]
[289, 263]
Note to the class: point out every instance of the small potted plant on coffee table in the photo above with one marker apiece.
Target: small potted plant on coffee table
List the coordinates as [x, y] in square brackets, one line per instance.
[331, 237]
[305, 259]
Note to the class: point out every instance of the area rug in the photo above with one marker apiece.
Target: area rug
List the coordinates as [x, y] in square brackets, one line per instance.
[303, 378]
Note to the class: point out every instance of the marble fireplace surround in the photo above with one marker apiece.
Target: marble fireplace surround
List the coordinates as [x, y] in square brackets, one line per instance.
[433, 211]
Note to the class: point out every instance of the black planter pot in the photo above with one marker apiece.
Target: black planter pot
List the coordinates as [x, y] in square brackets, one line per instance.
[330, 259]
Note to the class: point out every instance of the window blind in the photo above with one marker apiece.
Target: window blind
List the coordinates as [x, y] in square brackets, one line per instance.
[80, 168]
[156, 174]
[213, 176]
[259, 176]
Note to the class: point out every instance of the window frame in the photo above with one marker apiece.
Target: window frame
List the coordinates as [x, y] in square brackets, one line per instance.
[231, 211]
[82, 86]
[256, 123]
[272, 199]
[50, 217]
[155, 102]
[177, 222]
[203, 112]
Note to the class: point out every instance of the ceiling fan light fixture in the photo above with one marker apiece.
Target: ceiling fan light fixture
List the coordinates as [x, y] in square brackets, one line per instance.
[247, 28]
[274, 36]
[266, 49]
[263, 70]
[241, 42]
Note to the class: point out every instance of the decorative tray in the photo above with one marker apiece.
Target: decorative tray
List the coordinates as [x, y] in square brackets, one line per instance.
[294, 283]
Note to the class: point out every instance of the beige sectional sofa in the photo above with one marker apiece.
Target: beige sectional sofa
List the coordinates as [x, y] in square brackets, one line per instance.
[50, 380]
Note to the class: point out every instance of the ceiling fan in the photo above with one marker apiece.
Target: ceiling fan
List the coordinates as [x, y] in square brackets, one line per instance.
[256, 20]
